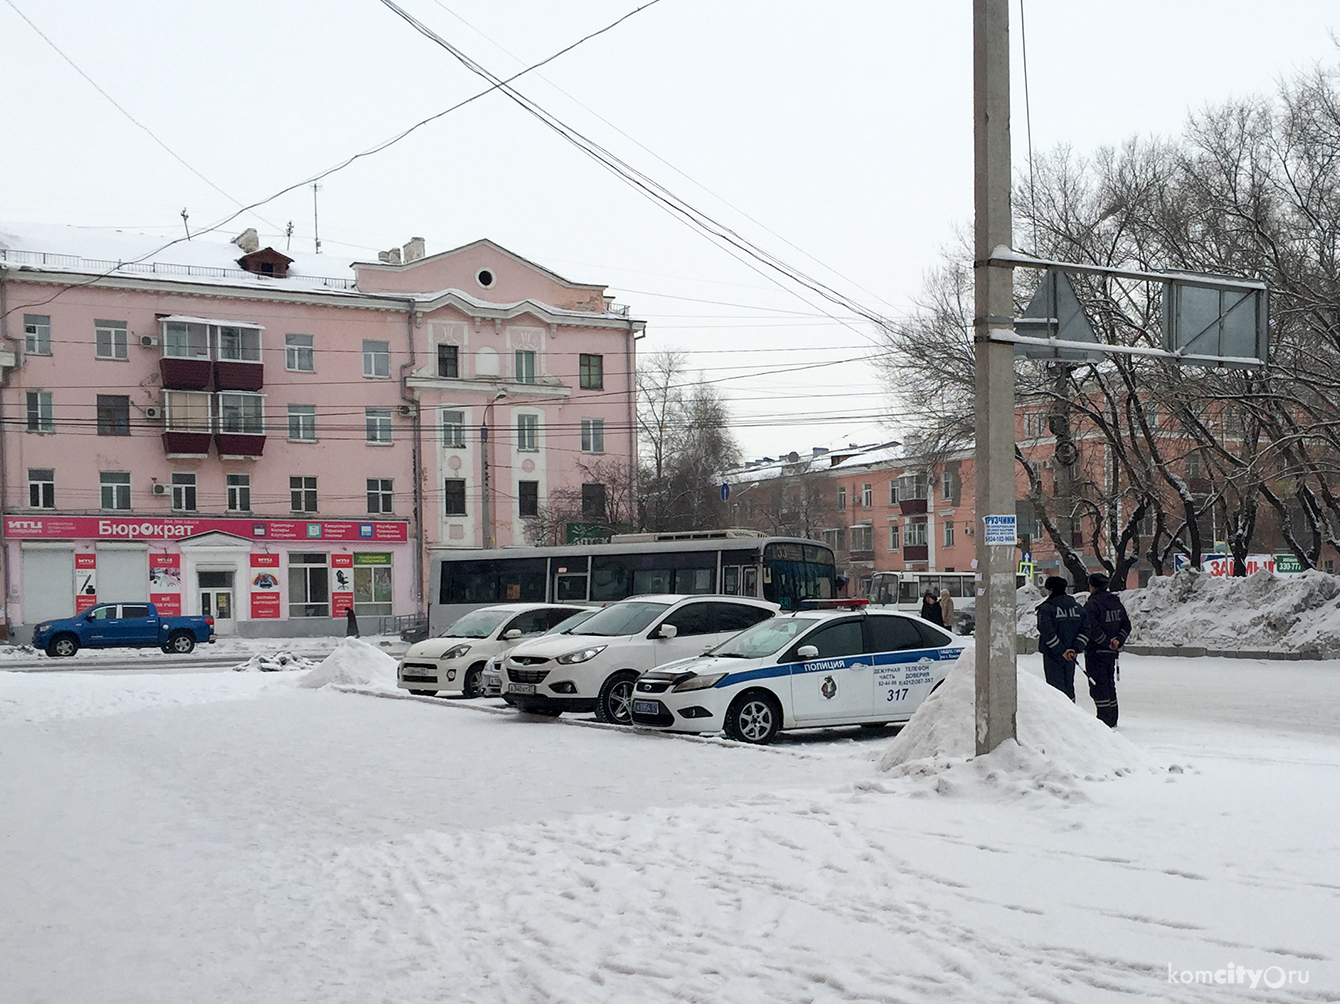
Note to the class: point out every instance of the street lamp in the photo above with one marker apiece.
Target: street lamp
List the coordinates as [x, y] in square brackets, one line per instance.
[484, 449]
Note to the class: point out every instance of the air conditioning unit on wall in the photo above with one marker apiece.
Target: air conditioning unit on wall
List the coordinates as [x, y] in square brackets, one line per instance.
[406, 411]
[153, 411]
[160, 489]
[149, 341]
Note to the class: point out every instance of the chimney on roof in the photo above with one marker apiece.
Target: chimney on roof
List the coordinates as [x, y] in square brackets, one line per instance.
[413, 251]
[391, 257]
[819, 451]
[248, 240]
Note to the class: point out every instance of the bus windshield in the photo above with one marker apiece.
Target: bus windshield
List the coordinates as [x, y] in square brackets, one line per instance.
[621, 619]
[476, 624]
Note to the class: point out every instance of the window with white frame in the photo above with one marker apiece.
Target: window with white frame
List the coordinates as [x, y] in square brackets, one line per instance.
[453, 429]
[185, 340]
[302, 493]
[183, 491]
[109, 340]
[528, 432]
[949, 533]
[238, 343]
[593, 435]
[308, 585]
[37, 334]
[242, 414]
[836, 539]
[914, 534]
[947, 485]
[525, 366]
[40, 411]
[187, 411]
[299, 356]
[41, 488]
[302, 423]
[239, 493]
[867, 495]
[862, 537]
[115, 489]
[376, 359]
[380, 495]
[842, 496]
[378, 424]
[893, 492]
[894, 535]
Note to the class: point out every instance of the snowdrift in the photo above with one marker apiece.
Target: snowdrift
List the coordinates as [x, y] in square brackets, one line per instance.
[353, 663]
[276, 662]
[1058, 745]
[1256, 612]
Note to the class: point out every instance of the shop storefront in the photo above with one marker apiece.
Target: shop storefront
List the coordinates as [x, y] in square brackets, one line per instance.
[255, 577]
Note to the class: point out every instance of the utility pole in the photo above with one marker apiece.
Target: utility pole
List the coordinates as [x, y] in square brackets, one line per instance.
[996, 697]
[316, 219]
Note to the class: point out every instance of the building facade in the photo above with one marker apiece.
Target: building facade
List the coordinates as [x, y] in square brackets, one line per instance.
[273, 440]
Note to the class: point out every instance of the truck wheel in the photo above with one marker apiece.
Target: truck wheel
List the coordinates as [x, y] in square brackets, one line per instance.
[181, 643]
[63, 646]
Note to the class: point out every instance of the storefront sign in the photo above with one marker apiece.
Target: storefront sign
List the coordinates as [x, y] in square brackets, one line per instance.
[165, 583]
[379, 558]
[264, 587]
[342, 584]
[168, 528]
[85, 581]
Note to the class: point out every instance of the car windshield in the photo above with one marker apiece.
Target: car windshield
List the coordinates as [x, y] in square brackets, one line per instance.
[476, 624]
[568, 623]
[765, 638]
[621, 619]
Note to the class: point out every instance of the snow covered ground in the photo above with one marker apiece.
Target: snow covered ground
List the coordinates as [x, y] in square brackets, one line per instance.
[219, 836]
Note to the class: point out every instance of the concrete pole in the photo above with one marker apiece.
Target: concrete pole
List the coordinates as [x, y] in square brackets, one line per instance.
[994, 306]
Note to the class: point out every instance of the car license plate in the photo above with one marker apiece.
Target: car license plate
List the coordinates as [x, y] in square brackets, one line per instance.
[521, 688]
[647, 707]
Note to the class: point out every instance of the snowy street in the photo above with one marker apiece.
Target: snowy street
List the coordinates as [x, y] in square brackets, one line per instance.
[218, 836]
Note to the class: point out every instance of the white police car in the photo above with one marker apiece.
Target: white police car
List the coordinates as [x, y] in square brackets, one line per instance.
[841, 665]
[455, 661]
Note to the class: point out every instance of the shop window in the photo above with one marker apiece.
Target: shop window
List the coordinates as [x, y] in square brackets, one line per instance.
[308, 585]
[372, 585]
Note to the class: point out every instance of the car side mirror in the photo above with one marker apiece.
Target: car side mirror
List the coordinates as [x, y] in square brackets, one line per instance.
[668, 631]
[512, 633]
[807, 652]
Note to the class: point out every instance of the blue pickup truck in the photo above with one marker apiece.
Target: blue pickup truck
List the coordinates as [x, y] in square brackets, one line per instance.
[123, 625]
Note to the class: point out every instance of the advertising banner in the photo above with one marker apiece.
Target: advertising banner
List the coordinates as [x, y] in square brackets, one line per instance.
[165, 583]
[264, 587]
[85, 581]
[342, 584]
[176, 528]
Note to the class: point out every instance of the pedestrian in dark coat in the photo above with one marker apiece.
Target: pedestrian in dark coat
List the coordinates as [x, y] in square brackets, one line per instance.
[351, 624]
[1106, 627]
[1060, 620]
[930, 609]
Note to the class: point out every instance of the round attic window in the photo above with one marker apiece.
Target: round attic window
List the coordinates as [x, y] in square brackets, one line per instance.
[484, 277]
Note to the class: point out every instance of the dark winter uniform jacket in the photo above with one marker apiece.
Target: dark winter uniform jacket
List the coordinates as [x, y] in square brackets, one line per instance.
[1059, 621]
[1104, 619]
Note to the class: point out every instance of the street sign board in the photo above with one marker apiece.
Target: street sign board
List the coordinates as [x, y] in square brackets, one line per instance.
[1001, 530]
[1055, 312]
[1223, 321]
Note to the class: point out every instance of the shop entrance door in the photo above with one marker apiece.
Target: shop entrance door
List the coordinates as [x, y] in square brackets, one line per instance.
[216, 600]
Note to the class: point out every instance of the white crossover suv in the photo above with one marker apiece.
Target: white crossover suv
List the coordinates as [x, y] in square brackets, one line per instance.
[592, 666]
[492, 678]
[455, 661]
[833, 666]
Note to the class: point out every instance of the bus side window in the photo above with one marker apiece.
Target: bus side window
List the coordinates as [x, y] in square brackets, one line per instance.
[730, 580]
[751, 582]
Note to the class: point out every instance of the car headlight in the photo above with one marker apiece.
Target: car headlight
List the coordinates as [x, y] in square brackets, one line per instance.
[456, 652]
[44, 627]
[695, 682]
[584, 655]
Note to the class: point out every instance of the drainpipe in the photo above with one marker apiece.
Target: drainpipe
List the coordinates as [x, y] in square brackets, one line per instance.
[633, 516]
[4, 464]
[411, 309]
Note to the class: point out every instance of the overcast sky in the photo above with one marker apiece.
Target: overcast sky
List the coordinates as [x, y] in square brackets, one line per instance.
[837, 135]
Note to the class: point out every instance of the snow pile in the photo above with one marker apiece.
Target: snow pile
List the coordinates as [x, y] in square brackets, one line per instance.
[18, 652]
[1255, 612]
[1058, 745]
[353, 663]
[1026, 600]
[276, 662]
[46, 697]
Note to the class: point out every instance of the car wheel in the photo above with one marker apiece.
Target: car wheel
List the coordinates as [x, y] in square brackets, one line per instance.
[424, 693]
[471, 685]
[615, 703]
[754, 718]
[181, 643]
[63, 646]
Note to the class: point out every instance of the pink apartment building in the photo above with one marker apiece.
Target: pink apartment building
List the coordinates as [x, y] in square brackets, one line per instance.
[271, 438]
